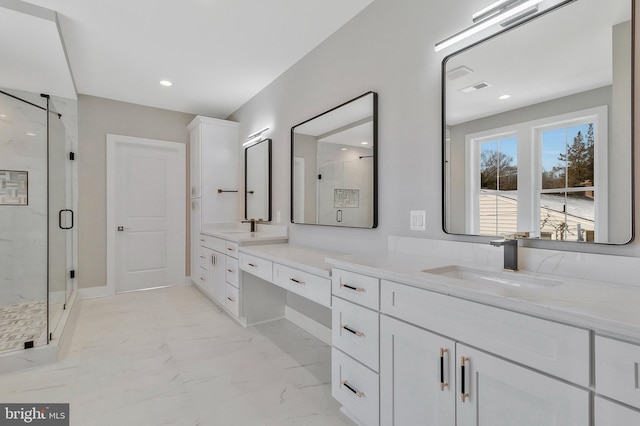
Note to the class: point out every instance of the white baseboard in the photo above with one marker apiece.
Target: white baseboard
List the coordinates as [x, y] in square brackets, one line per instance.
[309, 325]
[93, 292]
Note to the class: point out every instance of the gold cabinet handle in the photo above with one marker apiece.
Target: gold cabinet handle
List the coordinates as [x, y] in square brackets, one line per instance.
[353, 288]
[355, 391]
[352, 331]
[443, 384]
[463, 394]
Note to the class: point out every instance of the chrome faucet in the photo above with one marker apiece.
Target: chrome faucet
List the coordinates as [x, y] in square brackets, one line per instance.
[253, 224]
[510, 244]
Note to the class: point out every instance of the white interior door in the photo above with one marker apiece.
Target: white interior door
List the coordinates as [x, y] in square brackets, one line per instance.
[146, 220]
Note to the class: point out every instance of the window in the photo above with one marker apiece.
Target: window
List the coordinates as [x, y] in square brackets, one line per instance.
[546, 177]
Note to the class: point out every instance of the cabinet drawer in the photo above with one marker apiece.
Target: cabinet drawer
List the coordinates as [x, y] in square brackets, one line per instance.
[232, 271]
[232, 249]
[312, 287]
[202, 278]
[360, 289]
[231, 299]
[355, 331]
[609, 413]
[256, 266]
[204, 257]
[213, 243]
[554, 348]
[617, 370]
[355, 387]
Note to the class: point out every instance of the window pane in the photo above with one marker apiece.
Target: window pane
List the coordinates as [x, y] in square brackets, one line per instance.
[554, 162]
[507, 217]
[580, 144]
[580, 216]
[489, 165]
[567, 216]
[488, 213]
[508, 164]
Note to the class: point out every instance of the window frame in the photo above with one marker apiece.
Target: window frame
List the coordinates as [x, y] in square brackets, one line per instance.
[528, 135]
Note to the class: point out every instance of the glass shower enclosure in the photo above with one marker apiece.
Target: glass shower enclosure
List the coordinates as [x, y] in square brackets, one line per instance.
[36, 219]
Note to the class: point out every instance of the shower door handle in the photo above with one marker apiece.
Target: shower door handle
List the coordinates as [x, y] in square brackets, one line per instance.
[60, 218]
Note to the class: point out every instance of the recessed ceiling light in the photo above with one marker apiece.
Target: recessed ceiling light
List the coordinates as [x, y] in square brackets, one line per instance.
[30, 134]
[343, 149]
[365, 143]
[503, 97]
[166, 83]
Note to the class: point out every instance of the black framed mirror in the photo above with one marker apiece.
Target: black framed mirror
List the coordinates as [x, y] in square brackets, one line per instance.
[257, 181]
[538, 128]
[334, 172]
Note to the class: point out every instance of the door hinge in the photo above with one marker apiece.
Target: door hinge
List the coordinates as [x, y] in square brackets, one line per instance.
[72, 156]
[72, 273]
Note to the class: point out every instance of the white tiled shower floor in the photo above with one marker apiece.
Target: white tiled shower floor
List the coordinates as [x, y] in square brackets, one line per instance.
[170, 357]
[21, 323]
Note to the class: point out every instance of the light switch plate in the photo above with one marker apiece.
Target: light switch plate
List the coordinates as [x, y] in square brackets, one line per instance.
[418, 220]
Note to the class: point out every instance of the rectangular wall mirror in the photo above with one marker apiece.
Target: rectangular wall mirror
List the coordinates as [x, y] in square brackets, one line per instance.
[257, 181]
[537, 128]
[334, 166]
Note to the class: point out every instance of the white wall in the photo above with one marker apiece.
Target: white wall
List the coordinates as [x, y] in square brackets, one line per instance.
[388, 48]
[97, 117]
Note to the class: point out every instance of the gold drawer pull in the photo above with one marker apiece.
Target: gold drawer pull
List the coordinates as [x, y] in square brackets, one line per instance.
[350, 287]
[351, 330]
[352, 389]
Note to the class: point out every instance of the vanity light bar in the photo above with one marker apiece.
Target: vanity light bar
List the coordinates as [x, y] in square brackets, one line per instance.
[494, 9]
[253, 136]
[486, 23]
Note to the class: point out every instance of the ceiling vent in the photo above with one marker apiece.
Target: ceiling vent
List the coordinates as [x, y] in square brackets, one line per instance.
[459, 72]
[475, 87]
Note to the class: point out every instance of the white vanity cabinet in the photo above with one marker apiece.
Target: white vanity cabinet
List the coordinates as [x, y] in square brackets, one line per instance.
[494, 392]
[214, 261]
[608, 413]
[618, 378]
[355, 338]
[490, 388]
[213, 164]
[417, 375]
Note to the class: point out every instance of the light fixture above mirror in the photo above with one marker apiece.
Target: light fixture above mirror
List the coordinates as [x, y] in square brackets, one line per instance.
[505, 13]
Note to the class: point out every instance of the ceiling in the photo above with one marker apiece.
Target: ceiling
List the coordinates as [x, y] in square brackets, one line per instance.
[217, 53]
[566, 52]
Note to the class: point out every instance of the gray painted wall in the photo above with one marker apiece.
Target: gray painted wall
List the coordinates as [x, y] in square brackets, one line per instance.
[96, 118]
[388, 48]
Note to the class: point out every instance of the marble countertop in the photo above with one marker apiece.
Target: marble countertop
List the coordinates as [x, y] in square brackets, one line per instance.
[307, 259]
[608, 309]
[244, 237]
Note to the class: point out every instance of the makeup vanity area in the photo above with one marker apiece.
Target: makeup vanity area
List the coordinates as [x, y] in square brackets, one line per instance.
[438, 329]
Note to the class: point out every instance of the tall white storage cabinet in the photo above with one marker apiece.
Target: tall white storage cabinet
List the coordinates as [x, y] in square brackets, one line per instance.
[214, 167]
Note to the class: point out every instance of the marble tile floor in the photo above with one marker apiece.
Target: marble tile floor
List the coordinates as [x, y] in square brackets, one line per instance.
[171, 357]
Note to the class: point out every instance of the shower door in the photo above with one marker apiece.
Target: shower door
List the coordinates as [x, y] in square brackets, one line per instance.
[34, 188]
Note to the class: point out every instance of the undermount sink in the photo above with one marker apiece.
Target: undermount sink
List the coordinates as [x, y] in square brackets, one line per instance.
[503, 278]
